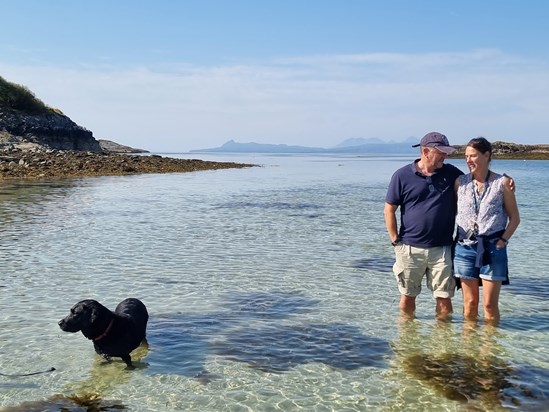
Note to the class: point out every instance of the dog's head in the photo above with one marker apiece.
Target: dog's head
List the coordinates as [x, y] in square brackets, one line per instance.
[85, 316]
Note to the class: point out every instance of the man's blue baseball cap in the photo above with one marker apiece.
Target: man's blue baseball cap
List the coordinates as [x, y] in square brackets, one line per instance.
[438, 141]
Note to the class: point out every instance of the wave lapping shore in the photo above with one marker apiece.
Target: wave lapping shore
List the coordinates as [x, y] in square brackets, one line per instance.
[39, 164]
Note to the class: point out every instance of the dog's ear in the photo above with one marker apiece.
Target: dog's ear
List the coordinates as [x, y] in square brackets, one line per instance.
[94, 315]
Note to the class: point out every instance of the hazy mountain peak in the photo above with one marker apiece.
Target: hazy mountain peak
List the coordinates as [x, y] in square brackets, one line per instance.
[359, 141]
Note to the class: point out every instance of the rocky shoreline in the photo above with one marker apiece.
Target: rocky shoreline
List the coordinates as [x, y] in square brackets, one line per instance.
[36, 162]
[511, 151]
[49, 163]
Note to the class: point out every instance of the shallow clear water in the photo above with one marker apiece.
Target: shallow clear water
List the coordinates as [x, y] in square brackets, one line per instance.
[268, 288]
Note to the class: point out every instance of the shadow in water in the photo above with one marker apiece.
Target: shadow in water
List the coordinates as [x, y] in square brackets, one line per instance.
[273, 305]
[278, 348]
[528, 323]
[295, 209]
[377, 263]
[180, 343]
[536, 319]
[533, 287]
[529, 387]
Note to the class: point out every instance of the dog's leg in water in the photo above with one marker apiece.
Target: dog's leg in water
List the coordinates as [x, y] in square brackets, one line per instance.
[128, 360]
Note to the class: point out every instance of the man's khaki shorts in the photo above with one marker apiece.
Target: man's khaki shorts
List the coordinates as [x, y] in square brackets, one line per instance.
[412, 263]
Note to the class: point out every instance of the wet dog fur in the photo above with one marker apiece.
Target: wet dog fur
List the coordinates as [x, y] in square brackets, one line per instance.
[114, 334]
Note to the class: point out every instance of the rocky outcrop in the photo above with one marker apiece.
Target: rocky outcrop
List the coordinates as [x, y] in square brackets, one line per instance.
[43, 164]
[37, 141]
[113, 147]
[506, 150]
[48, 129]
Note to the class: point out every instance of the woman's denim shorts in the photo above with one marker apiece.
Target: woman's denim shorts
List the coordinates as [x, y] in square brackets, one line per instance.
[465, 258]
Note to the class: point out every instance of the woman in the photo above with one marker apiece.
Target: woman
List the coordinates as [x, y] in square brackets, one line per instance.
[487, 217]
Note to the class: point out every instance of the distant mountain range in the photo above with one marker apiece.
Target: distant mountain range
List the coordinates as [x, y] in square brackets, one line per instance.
[352, 145]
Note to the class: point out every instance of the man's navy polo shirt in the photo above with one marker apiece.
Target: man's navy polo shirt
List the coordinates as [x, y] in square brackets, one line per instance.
[427, 206]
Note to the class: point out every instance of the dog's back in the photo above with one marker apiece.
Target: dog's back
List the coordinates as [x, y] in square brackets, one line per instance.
[134, 310]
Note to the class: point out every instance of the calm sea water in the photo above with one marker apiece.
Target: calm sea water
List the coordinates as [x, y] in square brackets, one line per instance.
[268, 288]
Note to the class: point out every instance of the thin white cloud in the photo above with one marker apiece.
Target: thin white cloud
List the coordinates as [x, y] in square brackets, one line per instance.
[311, 100]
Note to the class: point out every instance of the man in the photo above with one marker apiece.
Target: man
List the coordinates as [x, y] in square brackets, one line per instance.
[424, 191]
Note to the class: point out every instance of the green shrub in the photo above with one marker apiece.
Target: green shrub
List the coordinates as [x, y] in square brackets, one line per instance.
[18, 97]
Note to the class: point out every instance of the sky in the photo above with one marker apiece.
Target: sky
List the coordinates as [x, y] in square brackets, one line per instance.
[173, 76]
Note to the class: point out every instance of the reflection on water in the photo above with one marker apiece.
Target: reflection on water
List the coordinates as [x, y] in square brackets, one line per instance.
[460, 377]
[468, 366]
[477, 375]
[268, 289]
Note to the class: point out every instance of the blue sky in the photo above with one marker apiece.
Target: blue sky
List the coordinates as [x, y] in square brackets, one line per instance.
[179, 75]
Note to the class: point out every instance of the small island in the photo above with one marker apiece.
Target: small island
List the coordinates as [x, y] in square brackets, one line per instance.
[37, 141]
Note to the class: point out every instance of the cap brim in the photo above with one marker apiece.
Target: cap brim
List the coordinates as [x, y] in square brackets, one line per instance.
[445, 149]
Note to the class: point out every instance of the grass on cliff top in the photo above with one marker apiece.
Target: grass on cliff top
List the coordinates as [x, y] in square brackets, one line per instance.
[18, 97]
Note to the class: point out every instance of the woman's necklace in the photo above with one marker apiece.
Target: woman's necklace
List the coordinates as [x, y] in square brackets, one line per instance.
[481, 185]
[479, 191]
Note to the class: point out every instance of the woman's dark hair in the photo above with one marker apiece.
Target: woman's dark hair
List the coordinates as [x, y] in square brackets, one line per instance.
[481, 144]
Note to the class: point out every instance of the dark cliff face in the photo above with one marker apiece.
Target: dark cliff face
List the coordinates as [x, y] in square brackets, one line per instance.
[49, 129]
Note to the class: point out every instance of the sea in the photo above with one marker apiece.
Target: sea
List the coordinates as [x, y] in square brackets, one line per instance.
[269, 288]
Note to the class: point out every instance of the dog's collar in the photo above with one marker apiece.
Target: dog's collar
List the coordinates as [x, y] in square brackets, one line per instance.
[104, 333]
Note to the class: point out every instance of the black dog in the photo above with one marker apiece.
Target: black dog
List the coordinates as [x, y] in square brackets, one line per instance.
[113, 333]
